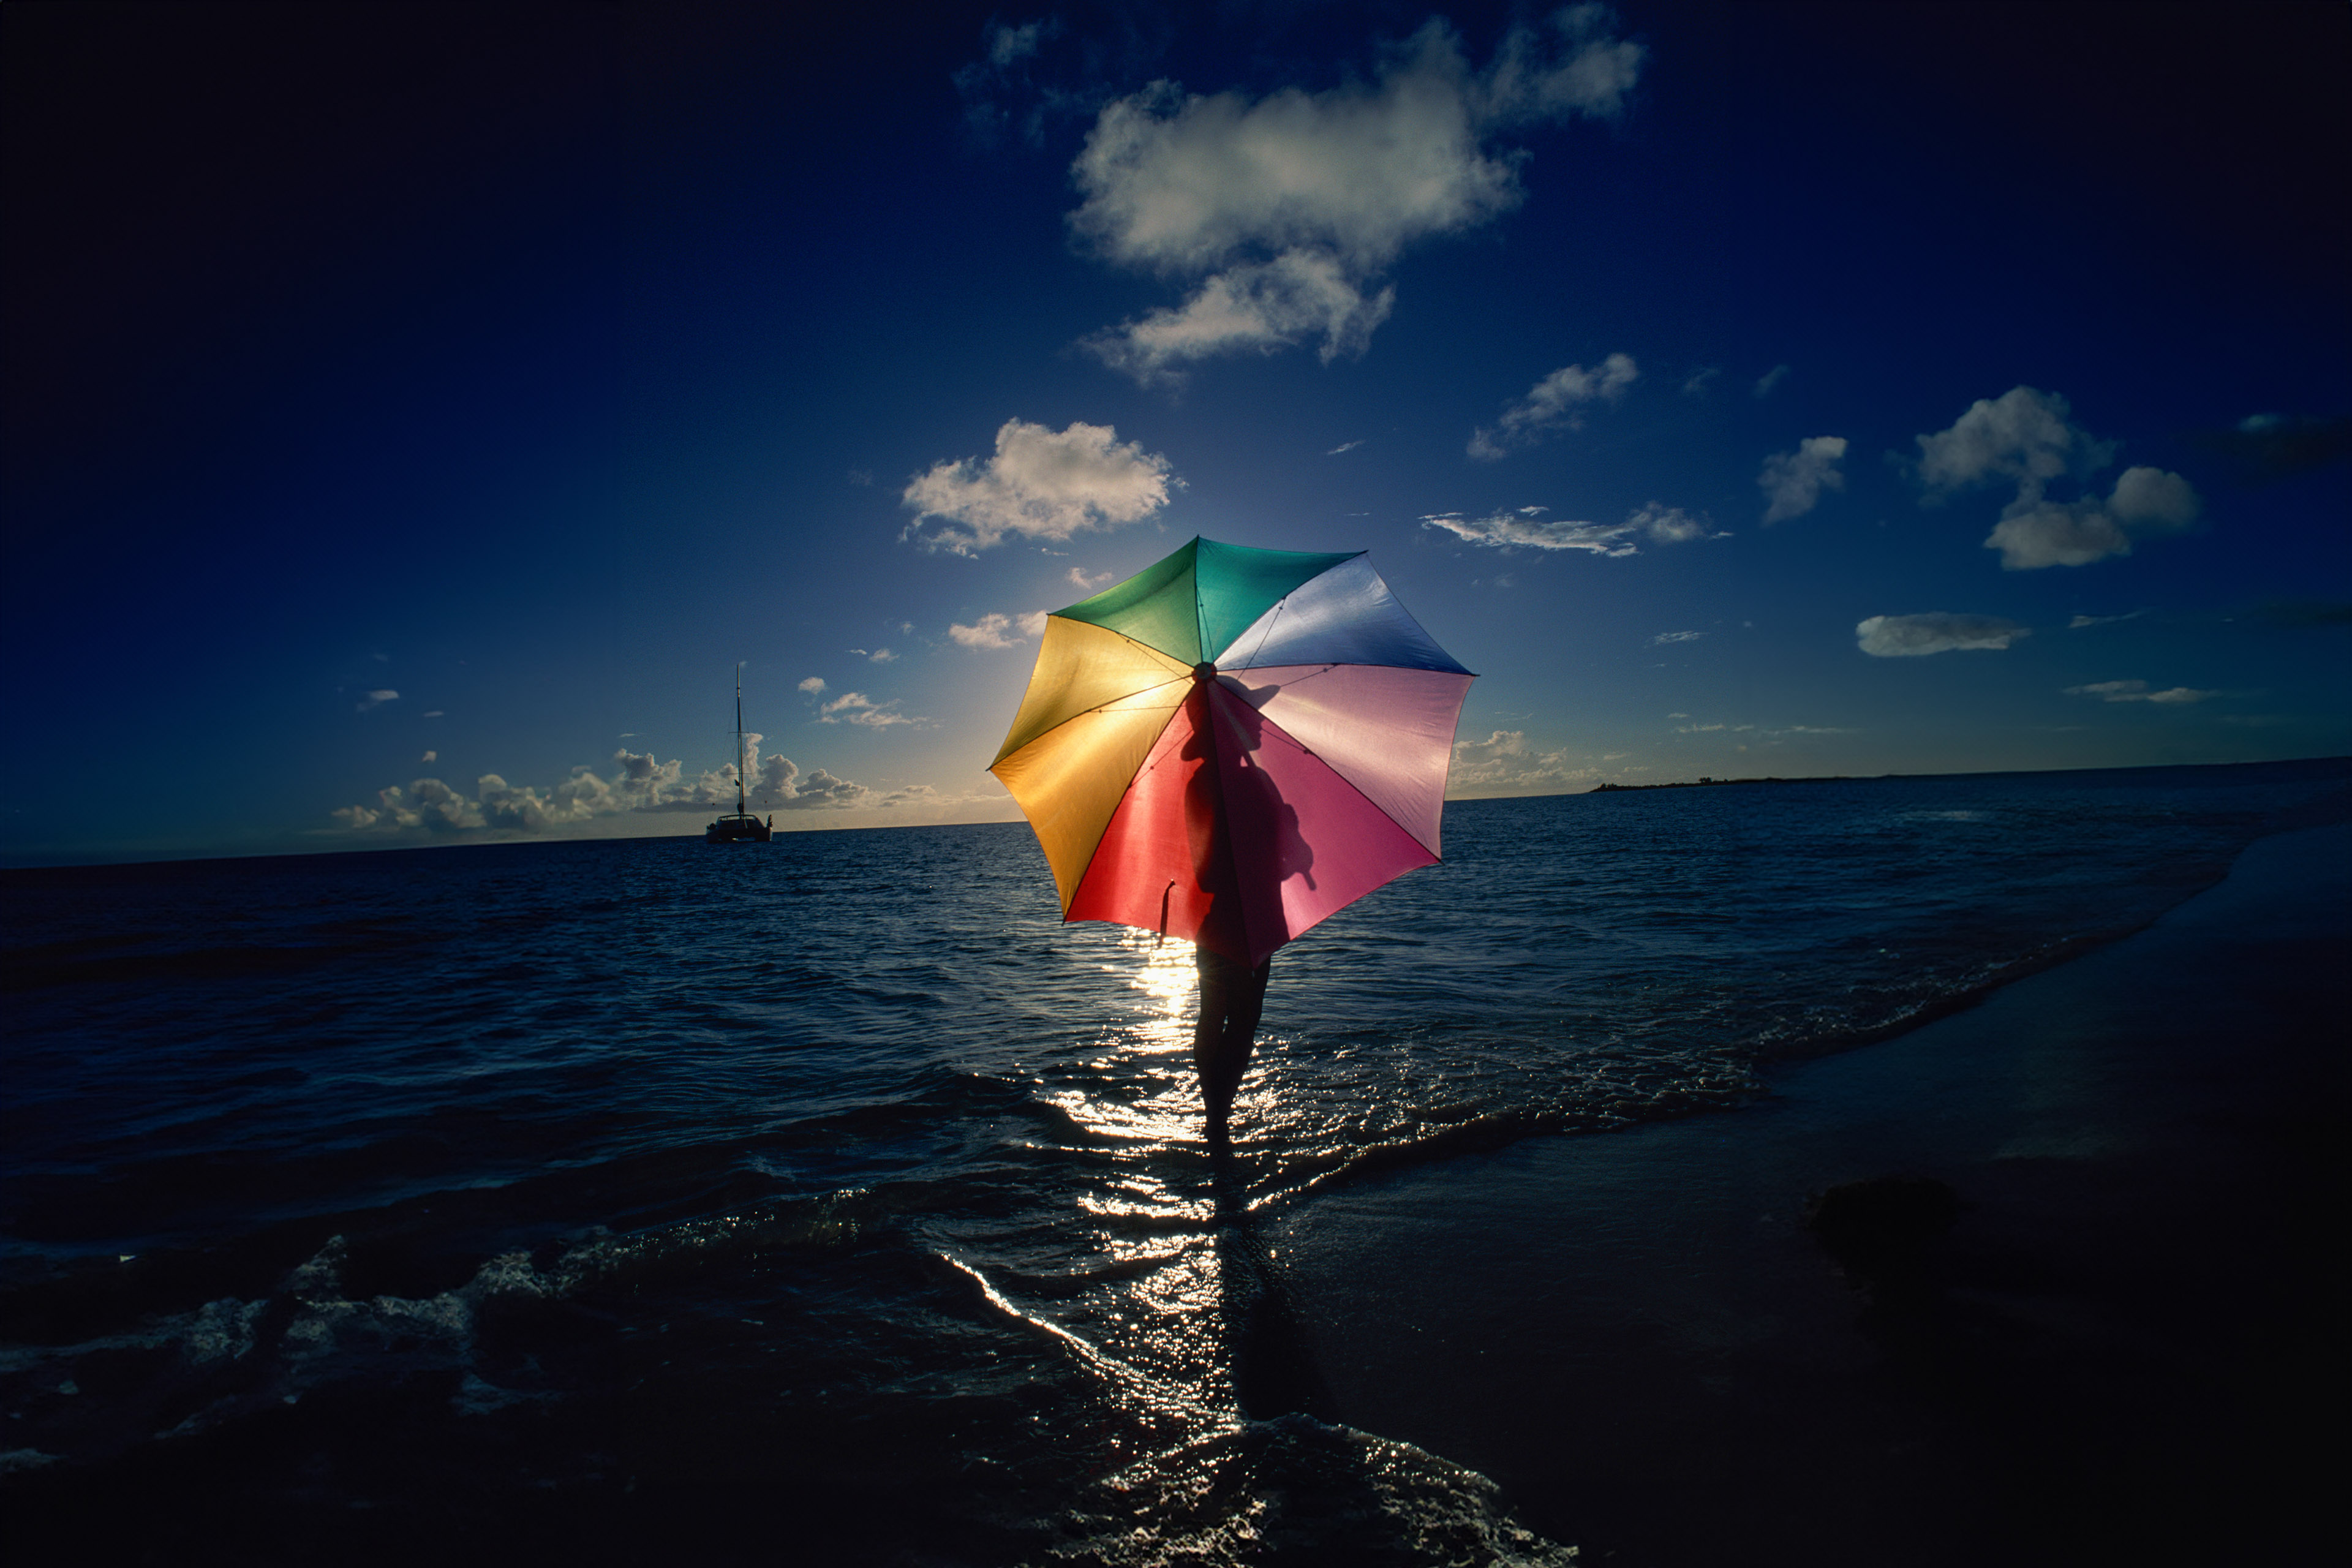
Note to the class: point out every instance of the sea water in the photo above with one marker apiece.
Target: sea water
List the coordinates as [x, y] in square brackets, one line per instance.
[830, 1200]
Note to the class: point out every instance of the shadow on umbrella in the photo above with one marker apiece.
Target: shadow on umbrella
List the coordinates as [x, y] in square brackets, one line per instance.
[1212, 800]
[1293, 856]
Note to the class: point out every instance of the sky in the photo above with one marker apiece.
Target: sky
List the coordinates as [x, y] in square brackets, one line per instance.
[414, 414]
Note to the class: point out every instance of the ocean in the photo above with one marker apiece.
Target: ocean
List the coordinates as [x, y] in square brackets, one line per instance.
[830, 1201]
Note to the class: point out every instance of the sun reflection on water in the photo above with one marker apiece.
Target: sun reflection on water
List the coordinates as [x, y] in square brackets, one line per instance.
[1164, 975]
[1138, 1092]
[1150, 1290]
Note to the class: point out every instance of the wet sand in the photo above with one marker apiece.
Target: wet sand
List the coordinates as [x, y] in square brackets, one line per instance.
[2128, 1348]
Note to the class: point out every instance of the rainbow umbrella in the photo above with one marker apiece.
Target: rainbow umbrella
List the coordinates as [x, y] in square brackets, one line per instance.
[1233, 744]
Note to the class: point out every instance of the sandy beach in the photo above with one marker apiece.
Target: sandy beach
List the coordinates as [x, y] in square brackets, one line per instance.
[2122, 1351]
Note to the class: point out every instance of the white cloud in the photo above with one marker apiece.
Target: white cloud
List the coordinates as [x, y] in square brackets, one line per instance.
[997, 89]
[2079, 622]
[1553, 402]
[426, 804]
[432, 713]
[1665, 637]
[1524, 528]
[1260, 308]
[376, 699]
[1583, 71]
[1185, 183]
[2031, 535]
[2137, 692]
[1697, 383]
[1039, 483]
[2029, 437]
[2035, 532]
[1006, 45]
[2023, 435]
[1086, 582]
[1288, 208]
[1792, 482]
[430, 757]
[856, 708]
[993, 630]
[813, 685]
[2151, 498]
[1902, 636]
[1672, 524]
[1770, 379]
[1343, 446]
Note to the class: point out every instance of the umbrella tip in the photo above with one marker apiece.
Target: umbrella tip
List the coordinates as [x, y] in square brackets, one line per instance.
[1204, 670]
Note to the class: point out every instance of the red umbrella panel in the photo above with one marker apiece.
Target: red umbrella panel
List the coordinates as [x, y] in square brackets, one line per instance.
[1234, 744]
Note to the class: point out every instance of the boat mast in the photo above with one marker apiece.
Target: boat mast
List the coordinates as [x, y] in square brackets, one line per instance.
[738, 738]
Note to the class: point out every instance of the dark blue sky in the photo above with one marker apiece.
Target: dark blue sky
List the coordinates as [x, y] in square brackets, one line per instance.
[535, 365]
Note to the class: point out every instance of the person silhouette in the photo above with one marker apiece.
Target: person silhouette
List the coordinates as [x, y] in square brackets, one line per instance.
[1232, 997]
[1233, 990]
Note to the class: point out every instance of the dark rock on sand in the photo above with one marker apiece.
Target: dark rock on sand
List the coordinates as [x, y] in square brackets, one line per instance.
[1883, 1227]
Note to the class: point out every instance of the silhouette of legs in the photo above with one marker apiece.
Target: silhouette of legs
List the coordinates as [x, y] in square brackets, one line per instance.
[1233, 996]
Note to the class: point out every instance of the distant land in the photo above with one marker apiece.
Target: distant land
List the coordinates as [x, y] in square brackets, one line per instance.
[1704, 780]
[1694, 784]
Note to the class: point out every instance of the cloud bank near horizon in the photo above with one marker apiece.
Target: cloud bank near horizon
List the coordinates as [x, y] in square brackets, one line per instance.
[1504, 761]
[639, 782]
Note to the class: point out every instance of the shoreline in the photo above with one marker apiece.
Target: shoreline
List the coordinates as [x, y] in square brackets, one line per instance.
[1634, 1334]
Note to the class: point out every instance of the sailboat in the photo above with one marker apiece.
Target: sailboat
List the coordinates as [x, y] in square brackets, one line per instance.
[742, 827]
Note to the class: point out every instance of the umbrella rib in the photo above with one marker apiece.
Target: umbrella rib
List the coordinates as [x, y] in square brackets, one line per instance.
[1097, 708]
[1386, 815]
[1148, 768]
[1279, 607]
[1125, 638]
